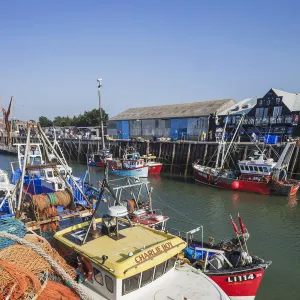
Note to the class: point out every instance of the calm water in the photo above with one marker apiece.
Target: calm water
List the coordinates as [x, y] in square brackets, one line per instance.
[273, 223]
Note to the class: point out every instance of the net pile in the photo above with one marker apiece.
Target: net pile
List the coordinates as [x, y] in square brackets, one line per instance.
[24, 273]
[13, 226]
[28, 259]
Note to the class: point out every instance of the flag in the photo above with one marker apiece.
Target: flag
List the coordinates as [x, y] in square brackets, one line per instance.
[234, 225]
[243, 228]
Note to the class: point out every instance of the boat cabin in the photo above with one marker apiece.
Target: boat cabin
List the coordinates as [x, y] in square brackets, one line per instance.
[256, 167]
[123, 260]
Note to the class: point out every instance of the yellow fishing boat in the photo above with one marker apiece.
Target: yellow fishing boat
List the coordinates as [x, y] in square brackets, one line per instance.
[120, 260]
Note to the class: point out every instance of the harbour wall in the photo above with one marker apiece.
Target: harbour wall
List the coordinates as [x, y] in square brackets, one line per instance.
[177, 157]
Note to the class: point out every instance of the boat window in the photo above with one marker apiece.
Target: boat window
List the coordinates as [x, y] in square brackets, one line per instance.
[50, 174]
[260, 169]
[42, 173]
[62, 172]
[98, 276]
[109, 283]
[159, 270]
[255, 169]
[246, 168]
[266, 170]
[250, 168]
[241, 167]
[147, 276]
[35, 160]
[131, 284]
[170, 264]
[2, 178]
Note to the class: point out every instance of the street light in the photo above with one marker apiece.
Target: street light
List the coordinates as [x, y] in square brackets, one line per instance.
[100, 110]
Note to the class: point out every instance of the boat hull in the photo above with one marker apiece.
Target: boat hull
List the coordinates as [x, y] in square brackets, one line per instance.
[137, 172]
[155, 168]
[265, 188]
[239, 285]
[96, 164]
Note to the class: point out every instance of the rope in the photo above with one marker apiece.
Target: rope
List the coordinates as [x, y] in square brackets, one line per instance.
[60, 271]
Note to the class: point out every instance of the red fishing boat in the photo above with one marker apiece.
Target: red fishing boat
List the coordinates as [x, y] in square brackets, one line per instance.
[228, 263]
[153, 165]
[258, 173]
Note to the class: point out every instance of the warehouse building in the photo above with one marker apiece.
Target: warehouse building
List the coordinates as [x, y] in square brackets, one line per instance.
[185, 121]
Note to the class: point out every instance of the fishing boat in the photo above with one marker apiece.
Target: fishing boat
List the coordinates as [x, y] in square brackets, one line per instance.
[117, 259]
[98, 159]
[131, 165]
[258, 174]
[228, 263]
[151, 161]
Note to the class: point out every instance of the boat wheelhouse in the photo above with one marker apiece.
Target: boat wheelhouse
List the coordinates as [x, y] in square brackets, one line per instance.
[154, 166]
[120, 260]
[7, 199]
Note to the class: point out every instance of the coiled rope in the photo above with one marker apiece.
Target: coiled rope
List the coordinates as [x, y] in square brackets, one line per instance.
[60, 271]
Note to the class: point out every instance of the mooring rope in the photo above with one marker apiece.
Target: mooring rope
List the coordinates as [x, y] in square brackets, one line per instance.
[60, 271]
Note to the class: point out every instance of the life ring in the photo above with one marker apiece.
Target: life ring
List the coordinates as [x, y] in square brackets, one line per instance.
[84, 263]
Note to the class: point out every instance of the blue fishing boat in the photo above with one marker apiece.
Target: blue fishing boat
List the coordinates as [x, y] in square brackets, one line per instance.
[131, 165]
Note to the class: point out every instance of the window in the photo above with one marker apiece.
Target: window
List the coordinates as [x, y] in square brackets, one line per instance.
[246, 168]
[109, 283]
[259, 112]
[49, 174]
[131, 284]
[260, 169]
[156, 123]
[147, 276]
[2, 178]
[170, 264]
[251, 168]
[242, 167]
[255, 169]
[98, 276]
[62, 172]
[167, 123]
[265, 169]
[42, 173]
[35, 160]
[277, 111]
[159, 270]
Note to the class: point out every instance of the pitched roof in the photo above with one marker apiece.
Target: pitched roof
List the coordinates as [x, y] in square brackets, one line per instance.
[194, 109]
[241, 107]
[291, 100]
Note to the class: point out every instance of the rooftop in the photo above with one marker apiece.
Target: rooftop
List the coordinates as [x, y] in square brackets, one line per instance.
[193, 109]
[291, 100]
[242, 107]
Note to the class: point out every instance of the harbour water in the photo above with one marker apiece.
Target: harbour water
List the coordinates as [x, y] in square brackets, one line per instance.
[273, 223]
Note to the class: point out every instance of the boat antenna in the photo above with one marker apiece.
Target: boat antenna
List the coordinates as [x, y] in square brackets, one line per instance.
[100, 110]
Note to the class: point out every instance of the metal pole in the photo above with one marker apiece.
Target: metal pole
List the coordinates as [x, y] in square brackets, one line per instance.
[24, 167]
[100, 110]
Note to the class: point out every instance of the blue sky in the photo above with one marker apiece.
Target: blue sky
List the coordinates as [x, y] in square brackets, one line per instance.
[147, 52]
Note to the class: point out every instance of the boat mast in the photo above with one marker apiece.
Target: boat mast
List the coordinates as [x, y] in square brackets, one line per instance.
[236, 131]
[221, 144]
[100, 110]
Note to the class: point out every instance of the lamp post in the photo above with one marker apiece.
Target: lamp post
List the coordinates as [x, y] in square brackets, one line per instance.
[100, 110]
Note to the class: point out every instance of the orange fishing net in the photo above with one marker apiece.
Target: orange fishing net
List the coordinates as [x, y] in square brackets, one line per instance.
[28, 259]
[57, 291]
[16, 281]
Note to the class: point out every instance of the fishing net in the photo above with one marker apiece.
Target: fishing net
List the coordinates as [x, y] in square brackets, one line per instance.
[16, 282]
[13, 226]
[54, 290]
[28, 259]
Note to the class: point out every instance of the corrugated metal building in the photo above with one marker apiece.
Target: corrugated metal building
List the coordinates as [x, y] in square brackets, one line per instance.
[178, 121]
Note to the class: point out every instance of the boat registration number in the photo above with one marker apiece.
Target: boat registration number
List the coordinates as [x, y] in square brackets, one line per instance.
[241, 278]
